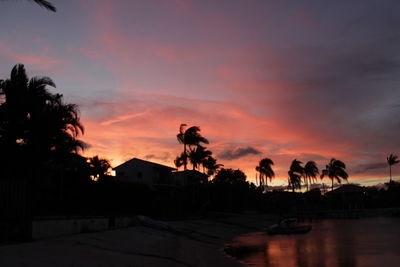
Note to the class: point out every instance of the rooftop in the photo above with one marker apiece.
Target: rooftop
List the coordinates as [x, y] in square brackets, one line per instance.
[156, 165]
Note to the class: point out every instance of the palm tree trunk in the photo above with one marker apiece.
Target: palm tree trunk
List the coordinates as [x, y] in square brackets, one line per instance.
[390, 171]
[184, 158]
[307, 183]
[332, 184]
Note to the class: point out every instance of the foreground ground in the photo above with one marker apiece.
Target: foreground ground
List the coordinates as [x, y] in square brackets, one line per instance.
[194, 243]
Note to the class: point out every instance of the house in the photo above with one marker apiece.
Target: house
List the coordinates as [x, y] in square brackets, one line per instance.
[146, 172]
[348, 196]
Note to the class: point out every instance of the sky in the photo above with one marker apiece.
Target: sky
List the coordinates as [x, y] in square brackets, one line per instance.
[306, 80]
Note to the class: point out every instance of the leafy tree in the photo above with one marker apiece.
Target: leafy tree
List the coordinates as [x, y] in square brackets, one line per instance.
[392, 160]
[335, 170]
[265, 171]
[230, 176]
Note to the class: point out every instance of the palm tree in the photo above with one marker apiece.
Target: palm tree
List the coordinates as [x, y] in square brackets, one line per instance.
[295, 172]
[45, 4]
[189, 137]
[180, 160]
[34, 122]
[392, 160]
[99, 167]
[335, 170]
[198, 155]
[310, 171]
[210, 163]
[265, 170]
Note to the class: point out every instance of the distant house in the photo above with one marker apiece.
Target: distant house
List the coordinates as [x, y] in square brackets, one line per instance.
[189, 177]
[348, 196]
[146, 172]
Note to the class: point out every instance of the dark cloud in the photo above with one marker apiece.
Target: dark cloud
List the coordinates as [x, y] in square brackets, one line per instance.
[364, 168]
[304, 156]
[163, 157]
[238, 152]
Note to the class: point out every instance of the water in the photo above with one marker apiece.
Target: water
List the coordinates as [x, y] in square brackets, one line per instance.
[363, 242]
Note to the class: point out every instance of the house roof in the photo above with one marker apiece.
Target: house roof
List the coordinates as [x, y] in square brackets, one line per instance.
[348, 188]
[153, 164]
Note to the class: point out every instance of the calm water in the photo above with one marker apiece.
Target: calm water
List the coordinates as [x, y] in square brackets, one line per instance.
[363, 242]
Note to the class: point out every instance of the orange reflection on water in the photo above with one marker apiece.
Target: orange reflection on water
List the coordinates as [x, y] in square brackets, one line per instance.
[350, 243]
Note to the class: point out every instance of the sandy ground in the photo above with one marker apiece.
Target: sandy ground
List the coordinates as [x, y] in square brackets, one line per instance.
[195, 243]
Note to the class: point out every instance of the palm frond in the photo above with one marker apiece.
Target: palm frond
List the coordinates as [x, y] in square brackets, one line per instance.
[45, 4]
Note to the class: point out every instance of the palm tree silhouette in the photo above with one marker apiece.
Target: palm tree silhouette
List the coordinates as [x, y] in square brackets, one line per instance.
[198, 155]
[35, 122]
[392, 160]
[310, 171]
[210, 163]
[335, 170]
[180, 160]
[295, 173]
[45, 4]
[189, 137]
[264, 169]
[99, 167]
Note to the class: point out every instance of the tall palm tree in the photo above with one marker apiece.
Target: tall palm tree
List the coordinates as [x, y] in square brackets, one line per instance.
[310, 171]
[264, 169]
[35, 122]
[335, 170]
[392, 160]
[189, 137]
[295, 173]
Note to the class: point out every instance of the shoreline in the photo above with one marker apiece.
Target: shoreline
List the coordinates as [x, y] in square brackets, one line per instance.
[189, 242]
[194, 242]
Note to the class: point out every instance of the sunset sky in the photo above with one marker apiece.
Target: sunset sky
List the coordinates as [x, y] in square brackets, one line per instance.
[309, 80]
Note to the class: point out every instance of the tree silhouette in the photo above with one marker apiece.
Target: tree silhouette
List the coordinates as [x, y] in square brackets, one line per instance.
[198, 155]
[310, 172]
[180, 160]
[210, 163]
[99, 167]
[335, 170]
[189, 137]
[392, 160]
[264, 169]
[295, 173]
[34, 123]
[230, 176]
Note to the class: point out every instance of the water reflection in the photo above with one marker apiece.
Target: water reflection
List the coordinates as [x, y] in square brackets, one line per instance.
[365, 242]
